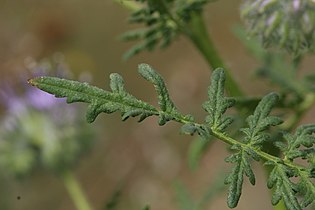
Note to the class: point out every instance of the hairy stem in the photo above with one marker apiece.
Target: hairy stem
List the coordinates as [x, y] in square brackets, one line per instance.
[199, 35]
[75, 191]
[231, 141]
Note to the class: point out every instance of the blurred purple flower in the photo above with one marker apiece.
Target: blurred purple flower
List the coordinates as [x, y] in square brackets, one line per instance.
[44, 127]
[41, 100]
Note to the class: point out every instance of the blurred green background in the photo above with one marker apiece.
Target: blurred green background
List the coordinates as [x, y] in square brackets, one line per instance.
[144, 159]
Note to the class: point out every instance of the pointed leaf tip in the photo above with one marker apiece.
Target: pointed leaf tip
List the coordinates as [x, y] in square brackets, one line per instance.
[116, 83]
[32, 81]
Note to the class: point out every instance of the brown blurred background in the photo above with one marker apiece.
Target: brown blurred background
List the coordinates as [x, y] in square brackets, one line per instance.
[144, 158]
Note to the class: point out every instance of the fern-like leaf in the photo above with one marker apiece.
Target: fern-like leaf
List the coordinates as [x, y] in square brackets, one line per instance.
[302, 137]
[163, 20]
[300, 145]
[119, 99]
[307, 190]
[217, 103]
[169, 110]
[99, 100]
[236, 177]
[257, 123]
[284, 188]
[260, 121]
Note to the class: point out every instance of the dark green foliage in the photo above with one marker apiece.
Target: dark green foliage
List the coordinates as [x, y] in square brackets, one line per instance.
[284, 188]
[152, 76]
[302, 137]
[217, 103]
[235, 178]
[299, 145]
[168, 109]
[307, 190]
[260, 121]
[164, 21]
[257, 123]
[117, 100]
[99, 100]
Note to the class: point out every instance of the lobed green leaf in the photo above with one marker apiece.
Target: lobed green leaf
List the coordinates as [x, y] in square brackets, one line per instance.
[260, 121]
[302, 137]
[217, 103]
[307, 190]
[236, 177]
[119, 99]
[164, 101]
[99, 100]
[168, 109]
[284, 188]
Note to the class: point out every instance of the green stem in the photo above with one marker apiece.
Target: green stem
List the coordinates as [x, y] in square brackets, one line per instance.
[197, 32]
[231, 141]
[199, 35]
[75, 191]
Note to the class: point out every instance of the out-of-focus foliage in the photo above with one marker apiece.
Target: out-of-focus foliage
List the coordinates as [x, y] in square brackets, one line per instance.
[284, 24]
[38, 130]
[164, 21]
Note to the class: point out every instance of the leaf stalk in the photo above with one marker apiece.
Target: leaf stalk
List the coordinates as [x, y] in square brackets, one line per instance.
[75, 191]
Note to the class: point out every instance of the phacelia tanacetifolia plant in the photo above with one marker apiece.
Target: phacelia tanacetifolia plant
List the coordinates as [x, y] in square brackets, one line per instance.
[279, 144]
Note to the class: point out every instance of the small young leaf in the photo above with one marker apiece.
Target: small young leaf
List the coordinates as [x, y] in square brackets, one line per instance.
[217, 103]
[303, 136]
[169, 111]
[189, 129]
[260, 121]
[235, 178]
[148, 73]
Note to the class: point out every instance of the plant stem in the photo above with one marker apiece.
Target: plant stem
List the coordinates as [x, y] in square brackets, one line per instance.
[199, 35]
[75, 191]
[197, 32]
